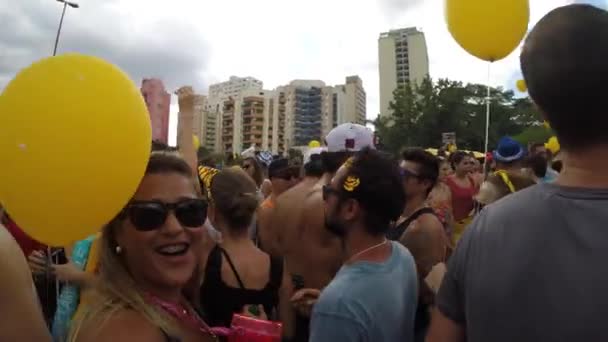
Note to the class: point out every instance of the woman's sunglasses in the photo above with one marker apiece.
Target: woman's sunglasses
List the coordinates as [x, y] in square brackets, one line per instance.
[151, 215]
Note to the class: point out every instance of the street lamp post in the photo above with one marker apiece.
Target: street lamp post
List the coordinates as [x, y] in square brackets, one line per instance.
[66, 3]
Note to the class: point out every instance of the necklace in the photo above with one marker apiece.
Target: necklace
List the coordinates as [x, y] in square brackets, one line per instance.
[365, 251]
[181, 314]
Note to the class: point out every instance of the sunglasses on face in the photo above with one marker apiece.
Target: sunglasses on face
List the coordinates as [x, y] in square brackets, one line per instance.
[151, 215]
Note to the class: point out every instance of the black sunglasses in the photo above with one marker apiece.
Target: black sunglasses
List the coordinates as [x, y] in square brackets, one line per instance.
[151, 215]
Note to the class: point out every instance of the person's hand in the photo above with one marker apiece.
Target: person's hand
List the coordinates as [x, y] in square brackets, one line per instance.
[255, 311]
[303, 300]
[38, 263]
[67, 273]
[185, 99]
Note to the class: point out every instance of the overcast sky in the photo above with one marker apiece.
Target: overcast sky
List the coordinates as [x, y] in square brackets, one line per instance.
[202, 42]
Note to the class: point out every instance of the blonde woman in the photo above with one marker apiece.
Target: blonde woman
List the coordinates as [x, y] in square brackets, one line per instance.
[148, 256]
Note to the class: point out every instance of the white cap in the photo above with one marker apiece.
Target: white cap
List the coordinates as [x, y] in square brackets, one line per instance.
[349, 137]
[313, 151]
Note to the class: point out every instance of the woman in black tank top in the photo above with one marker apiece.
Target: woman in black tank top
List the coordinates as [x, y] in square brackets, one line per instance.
[233, 202]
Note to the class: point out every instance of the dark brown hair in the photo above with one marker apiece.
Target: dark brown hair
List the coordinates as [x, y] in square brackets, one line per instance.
[234, 194]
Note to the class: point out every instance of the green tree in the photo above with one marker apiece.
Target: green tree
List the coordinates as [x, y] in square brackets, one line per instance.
[421, 113]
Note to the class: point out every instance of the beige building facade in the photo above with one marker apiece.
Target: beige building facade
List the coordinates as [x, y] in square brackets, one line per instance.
[403, 59]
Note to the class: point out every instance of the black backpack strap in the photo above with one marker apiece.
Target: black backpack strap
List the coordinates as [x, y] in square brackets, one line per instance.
[236, 274]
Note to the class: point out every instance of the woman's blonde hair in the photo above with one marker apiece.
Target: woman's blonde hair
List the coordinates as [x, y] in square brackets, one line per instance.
[116, 289]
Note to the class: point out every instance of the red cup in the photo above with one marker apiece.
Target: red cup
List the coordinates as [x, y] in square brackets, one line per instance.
[247, 329]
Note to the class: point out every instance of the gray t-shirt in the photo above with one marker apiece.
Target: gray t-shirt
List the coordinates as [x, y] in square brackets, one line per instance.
[533, 267]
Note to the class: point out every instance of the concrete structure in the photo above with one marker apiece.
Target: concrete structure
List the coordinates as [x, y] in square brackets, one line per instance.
[219, 95]
[350, 102]
[403, 59]
[205, 123]
[158, 101]
[250, 119]
[220, 92]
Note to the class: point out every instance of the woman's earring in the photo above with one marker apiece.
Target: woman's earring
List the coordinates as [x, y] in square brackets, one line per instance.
[118, 249]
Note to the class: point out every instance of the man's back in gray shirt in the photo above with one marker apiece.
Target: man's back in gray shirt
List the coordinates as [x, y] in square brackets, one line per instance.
[533, 267]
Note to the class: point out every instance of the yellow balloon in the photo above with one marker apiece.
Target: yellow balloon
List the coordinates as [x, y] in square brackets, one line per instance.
[75, 140]
[196, 142]
[314, 143]
[488, 29]
[546, 124]
[553, 145]
[522, 86]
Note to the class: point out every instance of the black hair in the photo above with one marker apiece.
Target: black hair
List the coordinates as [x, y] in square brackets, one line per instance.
[333, 160]
[535, 146]
[314, 168]
[538, 164]
[564, 62]
[457, 157]
[379, 192]
[428, 164]
[168, 162]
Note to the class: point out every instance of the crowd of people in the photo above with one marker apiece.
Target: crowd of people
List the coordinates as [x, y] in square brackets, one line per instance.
[351, 243]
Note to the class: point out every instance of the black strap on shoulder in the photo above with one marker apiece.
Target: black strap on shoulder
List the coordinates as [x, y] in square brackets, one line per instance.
[420, 212]
[236, 274]
[396, 232]
[276, 272]
[213, 268]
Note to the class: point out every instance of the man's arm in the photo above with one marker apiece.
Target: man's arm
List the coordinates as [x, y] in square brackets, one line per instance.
[22, 318]
[444, 329]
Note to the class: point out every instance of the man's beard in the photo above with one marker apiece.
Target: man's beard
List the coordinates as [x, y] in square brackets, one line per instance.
[334, 226]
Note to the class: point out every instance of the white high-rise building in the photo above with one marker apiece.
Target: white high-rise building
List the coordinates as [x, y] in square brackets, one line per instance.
[403, 59]
[219, 94]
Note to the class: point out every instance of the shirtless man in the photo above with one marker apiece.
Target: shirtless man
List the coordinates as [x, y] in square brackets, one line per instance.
[312, 254]
[22, 318]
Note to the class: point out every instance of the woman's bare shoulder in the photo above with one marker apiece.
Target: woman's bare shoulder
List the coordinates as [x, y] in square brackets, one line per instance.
[122, 326]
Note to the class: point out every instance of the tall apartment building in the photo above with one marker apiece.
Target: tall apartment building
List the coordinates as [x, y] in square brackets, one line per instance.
[220, 92]
[312, 108]
[158, 101]
[350, 102]
[249, 120]
[304, 104]
[403, 59]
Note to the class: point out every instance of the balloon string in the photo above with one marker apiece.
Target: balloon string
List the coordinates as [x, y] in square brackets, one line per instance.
[488, 99]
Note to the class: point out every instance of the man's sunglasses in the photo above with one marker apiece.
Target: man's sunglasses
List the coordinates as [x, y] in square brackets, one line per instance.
[151, 215]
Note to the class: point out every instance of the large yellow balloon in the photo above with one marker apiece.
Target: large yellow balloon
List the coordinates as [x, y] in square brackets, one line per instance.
[488, 29]
[75, 139]
[521, 86]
